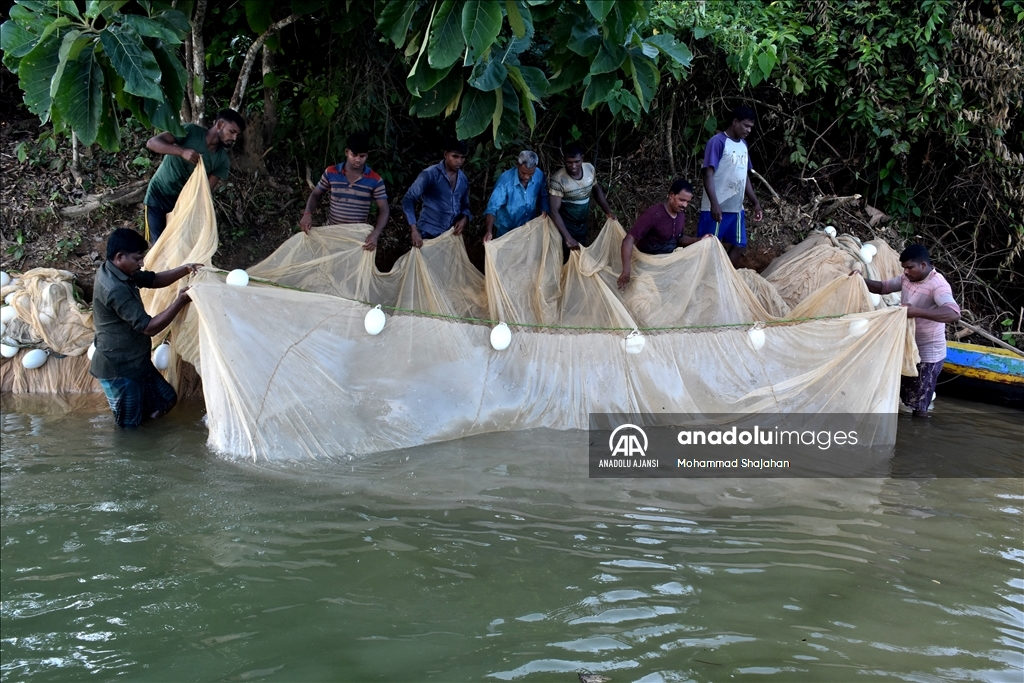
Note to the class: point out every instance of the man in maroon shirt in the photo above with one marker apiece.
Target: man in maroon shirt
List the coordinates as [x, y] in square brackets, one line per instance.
[660, 229]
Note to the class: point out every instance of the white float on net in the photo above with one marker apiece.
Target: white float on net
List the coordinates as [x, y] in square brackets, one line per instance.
[756, 337]
[8, 350]
[5, 279]
[830, 230]
[634, 342]
[858, 327]
[91, 352]
[162, 356]
[374, 320]
[7, 314]
[501, 337]
[237, 278]
[34, 359]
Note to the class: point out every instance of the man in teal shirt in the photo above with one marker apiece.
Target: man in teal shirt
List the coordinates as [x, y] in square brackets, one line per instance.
[518, 197]
[181, 156]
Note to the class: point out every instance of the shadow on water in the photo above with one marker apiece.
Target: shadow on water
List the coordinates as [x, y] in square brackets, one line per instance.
[143, 554]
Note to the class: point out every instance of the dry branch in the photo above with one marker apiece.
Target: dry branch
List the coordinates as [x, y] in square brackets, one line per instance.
[995, 340]
[775, 195]
[129, 194]
[250, 58]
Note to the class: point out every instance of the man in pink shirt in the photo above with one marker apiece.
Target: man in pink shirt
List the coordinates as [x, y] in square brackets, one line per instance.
[927, 297]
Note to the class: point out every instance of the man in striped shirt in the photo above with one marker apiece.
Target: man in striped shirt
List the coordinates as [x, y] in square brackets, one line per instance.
[354, 186]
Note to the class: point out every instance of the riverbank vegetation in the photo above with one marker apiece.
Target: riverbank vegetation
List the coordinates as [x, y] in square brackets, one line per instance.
[891, 119]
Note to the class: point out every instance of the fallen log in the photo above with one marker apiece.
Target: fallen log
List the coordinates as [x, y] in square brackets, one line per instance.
[128, 194]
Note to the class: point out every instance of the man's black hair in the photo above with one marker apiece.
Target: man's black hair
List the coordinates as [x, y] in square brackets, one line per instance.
[573, 149]
[743, 113]
[231, 116]
[358, 143]
[679, 185]
[125, 241]
[456, 145]
[917, 253]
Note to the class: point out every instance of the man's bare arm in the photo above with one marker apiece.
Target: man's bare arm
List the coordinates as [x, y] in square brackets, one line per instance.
[166, 144]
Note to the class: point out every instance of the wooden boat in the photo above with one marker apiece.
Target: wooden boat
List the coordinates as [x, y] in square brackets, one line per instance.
[983, 373]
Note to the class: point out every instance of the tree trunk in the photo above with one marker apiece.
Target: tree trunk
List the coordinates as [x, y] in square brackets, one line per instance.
[198, 64]
[186, 101]
[269, 100]
[250, 59]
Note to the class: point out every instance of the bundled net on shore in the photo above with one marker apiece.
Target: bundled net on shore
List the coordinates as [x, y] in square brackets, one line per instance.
[47, 316]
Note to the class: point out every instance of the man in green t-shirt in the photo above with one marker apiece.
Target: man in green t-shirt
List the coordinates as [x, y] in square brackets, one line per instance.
[181, 156]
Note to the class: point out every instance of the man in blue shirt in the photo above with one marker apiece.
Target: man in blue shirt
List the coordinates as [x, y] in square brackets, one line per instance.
[518, 197]
[444, 192]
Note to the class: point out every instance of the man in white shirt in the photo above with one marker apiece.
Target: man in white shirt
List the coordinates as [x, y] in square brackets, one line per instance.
[726, 181]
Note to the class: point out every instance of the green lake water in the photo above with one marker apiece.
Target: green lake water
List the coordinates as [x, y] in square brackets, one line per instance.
[146, 557]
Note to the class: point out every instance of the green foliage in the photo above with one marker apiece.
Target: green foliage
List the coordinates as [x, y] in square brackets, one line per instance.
[600, 51]
[882, 71]
[17, 250]
[73, 66]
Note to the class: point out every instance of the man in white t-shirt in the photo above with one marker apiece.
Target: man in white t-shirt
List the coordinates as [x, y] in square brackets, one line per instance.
[928, 299]
[726, 181]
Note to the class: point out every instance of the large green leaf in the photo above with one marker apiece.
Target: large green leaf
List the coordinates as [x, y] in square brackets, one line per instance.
[145, 26]
[434, 101]
[529, 112]
[307, 6]
[526, 97]
[446, 41]
[645, 77]
[423, 77]
[514, 13]
[609, 58]
[109, 134]
[766, 62]
[35, 72]
[505, 122]
[175, 21]
[481, 22]
[173, 76]
[133, 61]
[488, 75]
[33, 19]
[163, 117]
[600, 8]
[477, 111]
[585, 40]
[616, 24]
[571, 75]
[125, 100]
[671, 48]
[600, 87]
[395, 19]
[70, 43]
[69, 7]
[16, 42]
[79, 96]
[104, 8]
[530, 80]
[257, 13]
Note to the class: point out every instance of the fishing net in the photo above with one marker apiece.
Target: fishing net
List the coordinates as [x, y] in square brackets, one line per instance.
[289, 373]
[289, 370]
[48, 314]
